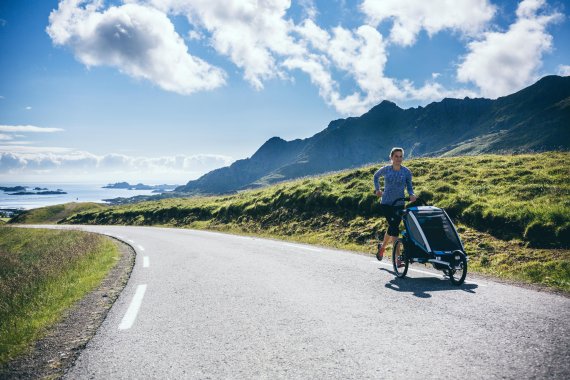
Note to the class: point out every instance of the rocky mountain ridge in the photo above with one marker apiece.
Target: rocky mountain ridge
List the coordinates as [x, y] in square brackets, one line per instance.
[534, 119]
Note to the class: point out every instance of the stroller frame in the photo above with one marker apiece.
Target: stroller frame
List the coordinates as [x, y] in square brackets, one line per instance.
[430, 237]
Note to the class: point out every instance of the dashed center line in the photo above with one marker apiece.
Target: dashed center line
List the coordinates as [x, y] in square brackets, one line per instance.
[131, 241]
[131, 314]
[146, 262]
[141, 247]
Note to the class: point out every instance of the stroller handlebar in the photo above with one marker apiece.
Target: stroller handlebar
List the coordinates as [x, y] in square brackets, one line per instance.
[407, 199]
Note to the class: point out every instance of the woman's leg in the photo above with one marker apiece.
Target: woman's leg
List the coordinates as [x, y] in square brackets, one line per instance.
[393, 219]
[387, 240]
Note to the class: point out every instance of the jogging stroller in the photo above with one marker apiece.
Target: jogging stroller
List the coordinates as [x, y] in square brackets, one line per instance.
[430, 237]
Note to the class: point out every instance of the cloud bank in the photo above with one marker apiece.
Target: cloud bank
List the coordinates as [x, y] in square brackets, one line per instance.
[264, 42]
[28, 128]
[22, 158]
[35, 161]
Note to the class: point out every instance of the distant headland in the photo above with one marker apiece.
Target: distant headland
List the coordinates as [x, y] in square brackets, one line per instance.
[140, 186]
[23, 190]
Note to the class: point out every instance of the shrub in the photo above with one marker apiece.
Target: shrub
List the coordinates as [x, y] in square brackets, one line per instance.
[563, 235]
[365, 205]
[539, 234]
[348, 203]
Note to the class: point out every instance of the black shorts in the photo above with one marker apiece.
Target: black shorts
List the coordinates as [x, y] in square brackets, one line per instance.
[393, 218]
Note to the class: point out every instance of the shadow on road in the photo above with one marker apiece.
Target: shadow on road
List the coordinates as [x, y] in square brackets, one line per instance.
[422, 286]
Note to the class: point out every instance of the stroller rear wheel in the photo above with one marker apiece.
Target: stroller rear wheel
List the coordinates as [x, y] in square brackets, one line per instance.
[457, 275]
[398, 255]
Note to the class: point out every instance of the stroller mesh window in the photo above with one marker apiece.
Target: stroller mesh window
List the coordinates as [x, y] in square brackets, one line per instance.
[415, 233]
[439, 232]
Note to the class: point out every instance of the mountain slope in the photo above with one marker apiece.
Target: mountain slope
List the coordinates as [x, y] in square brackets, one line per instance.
[536, 118]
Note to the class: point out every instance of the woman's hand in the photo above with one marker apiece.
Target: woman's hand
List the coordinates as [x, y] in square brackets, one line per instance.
[379, 193]
[413, 198]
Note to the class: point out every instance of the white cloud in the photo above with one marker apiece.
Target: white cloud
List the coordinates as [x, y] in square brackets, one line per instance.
[252, 34]
[410, 17]
[564, 70]
[28, 108]
[362, 54]
[432, 91]
[28, 128]
[5, 137]
[309, 8]
[501, 63]
[261, 40]
[140, 41]
[195, 35]
[34, 150]
[18, 142]
[53, 161]
[258, 38]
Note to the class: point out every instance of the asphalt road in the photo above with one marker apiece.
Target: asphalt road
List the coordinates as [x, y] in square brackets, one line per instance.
[202, 305]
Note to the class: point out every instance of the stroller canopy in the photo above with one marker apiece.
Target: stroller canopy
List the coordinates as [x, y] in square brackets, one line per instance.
[431, 228]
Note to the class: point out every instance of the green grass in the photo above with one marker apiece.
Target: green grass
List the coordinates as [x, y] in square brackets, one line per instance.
[524, 197]
[52, 214]
[43, 273]
[521, 201]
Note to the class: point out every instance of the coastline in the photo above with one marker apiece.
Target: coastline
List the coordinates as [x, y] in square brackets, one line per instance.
[60, 193]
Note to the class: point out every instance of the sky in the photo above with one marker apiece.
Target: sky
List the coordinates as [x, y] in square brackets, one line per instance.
[163, 91]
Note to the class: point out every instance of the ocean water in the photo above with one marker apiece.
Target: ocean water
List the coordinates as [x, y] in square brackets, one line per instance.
[75, 193]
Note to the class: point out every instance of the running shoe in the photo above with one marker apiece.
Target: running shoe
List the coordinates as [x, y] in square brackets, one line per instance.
[380, 253]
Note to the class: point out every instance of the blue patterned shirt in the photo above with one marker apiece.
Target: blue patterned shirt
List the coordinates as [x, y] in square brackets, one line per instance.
[394, 183]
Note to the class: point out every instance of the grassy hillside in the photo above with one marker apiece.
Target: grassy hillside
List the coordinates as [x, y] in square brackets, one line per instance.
[514, 211]
[44, 272]
[53, 214]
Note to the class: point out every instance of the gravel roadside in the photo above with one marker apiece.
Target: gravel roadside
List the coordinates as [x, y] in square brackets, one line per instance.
[61, 345]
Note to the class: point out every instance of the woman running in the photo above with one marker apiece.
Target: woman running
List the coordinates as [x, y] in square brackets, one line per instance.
[396, 178]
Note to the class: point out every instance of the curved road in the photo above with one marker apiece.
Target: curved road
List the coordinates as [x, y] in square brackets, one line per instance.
[203, 305]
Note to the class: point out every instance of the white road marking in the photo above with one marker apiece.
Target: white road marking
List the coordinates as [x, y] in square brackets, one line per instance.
[141, 247]
[242, 237]
[146, 262]
[133, 309]
[303, 247]
[131, 241]
[425, 272]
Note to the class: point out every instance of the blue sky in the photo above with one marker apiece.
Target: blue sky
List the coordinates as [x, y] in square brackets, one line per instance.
[166, 90]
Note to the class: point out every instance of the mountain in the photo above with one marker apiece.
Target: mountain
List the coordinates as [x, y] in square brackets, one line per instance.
[535, 119]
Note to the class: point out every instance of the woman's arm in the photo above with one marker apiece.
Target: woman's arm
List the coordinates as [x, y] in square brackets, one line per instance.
[377, 176]
[410, 187]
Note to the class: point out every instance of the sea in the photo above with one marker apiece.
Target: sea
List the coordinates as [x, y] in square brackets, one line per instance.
[76, 192]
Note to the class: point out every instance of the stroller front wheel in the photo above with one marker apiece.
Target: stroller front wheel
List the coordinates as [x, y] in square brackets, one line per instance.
[458, 274]
[398, 255]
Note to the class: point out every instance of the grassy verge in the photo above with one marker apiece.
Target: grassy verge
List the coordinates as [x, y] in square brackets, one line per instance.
[53, 214]
[43, 273]
[525, 197]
